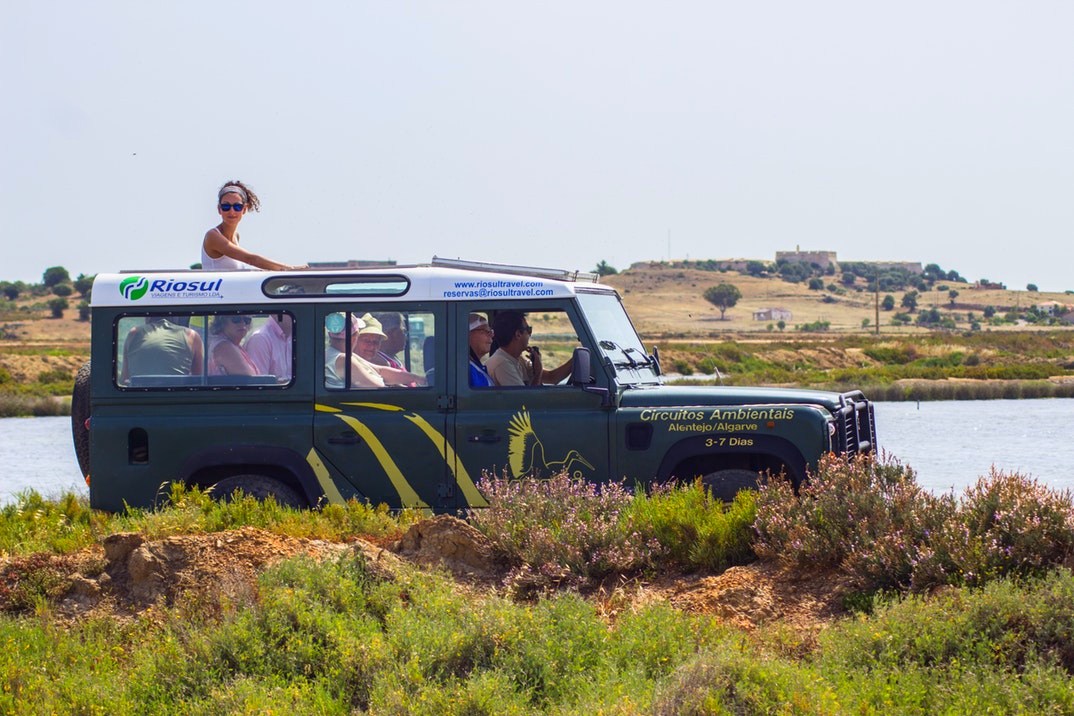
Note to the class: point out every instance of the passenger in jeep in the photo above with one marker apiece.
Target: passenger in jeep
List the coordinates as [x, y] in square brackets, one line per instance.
[269, 347]
[226, 354]
[395, 332]
[161, 347]
[480, 343]
[363, 373]
[515, 362]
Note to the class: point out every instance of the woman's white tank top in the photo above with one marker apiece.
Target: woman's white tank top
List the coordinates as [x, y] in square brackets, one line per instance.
[224, 263]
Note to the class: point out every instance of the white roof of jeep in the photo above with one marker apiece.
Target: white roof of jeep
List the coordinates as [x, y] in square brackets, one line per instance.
[441, 280]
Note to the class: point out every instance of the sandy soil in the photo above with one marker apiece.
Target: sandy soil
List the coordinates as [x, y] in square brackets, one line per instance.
[127, 576]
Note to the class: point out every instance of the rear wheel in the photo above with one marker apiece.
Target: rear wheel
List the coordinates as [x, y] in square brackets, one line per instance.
[80, 413]
[725, 484]
[261, 488]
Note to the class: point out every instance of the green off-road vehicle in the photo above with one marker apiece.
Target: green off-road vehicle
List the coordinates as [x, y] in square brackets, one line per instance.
[249, 380]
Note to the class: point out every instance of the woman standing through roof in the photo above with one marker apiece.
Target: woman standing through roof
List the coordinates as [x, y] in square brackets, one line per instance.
[220, 250]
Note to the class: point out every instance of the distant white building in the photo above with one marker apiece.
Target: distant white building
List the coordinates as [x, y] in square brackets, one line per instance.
[772, 314]
[1050, 308]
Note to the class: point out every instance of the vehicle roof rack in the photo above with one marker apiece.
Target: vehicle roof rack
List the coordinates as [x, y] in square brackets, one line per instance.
[536, 271]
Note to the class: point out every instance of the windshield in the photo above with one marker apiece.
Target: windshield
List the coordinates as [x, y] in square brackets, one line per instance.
[617, 340]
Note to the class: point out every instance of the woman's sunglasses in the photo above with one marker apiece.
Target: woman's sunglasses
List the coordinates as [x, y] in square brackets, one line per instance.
[232, 207]
[241, 319]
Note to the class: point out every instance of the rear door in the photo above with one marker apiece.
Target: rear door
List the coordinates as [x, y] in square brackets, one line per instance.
[386, 443]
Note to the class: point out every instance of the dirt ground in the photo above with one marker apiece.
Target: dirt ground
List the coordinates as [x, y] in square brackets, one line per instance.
[128, 576]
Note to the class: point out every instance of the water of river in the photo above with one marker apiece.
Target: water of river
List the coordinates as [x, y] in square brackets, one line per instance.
[948, 443]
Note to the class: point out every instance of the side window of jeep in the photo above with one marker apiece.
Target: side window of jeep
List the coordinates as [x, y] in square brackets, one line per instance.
[524, 340]
[366, 349]
[204, 350]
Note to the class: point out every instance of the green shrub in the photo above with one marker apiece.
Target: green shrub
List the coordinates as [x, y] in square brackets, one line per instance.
[1008, 623]
[693, 529]
[682, 367]
[708, 365]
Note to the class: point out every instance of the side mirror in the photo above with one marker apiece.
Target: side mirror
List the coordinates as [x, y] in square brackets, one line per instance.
[581, 372]
[582, 376]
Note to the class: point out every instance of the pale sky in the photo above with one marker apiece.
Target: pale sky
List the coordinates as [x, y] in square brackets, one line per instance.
[552, 133]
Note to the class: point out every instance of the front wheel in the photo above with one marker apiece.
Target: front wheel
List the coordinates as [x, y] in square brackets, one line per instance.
[259, 487]
[725, 484]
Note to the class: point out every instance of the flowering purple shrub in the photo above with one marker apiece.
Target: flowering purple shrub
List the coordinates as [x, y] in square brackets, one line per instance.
[561, 527]
[864, 514]
[1011, 524]
[867, 516]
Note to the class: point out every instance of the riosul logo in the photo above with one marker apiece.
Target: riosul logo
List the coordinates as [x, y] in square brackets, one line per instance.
[134, 287]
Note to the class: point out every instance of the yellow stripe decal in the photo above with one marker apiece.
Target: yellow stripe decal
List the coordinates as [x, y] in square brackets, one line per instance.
[323, 478]
[376, 406]
[469, 490]
[466, 484]
[325, 408]
[407, 496]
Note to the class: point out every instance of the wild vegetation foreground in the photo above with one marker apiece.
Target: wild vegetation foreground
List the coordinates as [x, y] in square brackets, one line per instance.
[860, 594]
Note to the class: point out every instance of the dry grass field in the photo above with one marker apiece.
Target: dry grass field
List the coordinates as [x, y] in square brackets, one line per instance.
[667, 302]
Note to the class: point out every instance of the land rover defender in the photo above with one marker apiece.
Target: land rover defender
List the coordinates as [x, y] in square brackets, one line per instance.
[304, 432]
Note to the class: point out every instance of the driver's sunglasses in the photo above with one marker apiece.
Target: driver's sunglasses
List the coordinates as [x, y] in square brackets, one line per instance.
[232, 207]
[527, 329]
[241, 319]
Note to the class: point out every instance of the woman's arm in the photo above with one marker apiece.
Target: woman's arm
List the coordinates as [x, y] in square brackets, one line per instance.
[396, 376]
[216, 242]
[230, 359]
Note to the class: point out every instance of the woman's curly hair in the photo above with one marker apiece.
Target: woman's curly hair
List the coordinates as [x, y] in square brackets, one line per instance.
[252, 202]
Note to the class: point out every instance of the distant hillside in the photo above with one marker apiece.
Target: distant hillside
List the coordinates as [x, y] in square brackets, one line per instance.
[667, 301]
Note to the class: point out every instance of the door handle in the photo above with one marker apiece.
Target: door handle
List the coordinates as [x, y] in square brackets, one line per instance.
[489, 437]
[344, 439]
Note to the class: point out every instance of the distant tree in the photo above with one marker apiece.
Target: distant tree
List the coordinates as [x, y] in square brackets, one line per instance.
[54, 275]
[83, 311]
[816, 284]
[794, 272]
[953, 275]
[952, 295]
[756, 268]
[848, 278]
[909, 301]
[781, 324]
[58, 305]
[989, 311]
[605, 269]
[83, 284]
[865, 322]
[900, 319]
[63, 289]
[929, 317]
[1031, 287]
[724, 296]
[11, 291]
[888, 303]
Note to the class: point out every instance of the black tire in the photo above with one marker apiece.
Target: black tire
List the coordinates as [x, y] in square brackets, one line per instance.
[725, 484]
[261, 488]
[80, 413]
